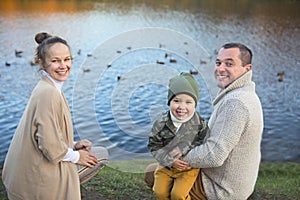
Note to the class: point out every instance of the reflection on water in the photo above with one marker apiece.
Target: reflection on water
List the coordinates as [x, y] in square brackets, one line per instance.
[270, 28]
[215, 8]
[10, 8]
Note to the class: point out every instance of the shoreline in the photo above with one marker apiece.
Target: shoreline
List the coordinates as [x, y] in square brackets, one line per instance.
[276, 180]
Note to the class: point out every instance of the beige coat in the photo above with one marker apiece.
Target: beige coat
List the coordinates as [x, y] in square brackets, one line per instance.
[33, 168]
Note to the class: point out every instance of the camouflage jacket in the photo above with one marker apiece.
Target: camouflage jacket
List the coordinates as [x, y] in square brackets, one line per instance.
[165, 144]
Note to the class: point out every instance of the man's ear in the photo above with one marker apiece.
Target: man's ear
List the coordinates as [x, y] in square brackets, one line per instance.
[248, 67]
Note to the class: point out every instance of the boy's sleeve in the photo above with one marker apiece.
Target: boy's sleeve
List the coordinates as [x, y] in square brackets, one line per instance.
[203, 129]
[158, 149]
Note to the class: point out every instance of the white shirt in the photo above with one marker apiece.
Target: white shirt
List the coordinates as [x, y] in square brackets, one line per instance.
[71, 155]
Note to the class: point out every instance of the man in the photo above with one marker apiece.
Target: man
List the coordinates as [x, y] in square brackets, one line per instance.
[230, 155]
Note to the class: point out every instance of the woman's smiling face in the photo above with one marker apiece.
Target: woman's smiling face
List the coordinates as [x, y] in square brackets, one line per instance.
[58, 62]
[182, 106]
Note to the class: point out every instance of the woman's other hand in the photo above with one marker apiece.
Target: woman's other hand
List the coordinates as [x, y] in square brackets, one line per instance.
[83, 145]
[87, 158]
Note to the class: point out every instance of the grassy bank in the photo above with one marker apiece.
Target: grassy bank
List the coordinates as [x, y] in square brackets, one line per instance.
[124, 180]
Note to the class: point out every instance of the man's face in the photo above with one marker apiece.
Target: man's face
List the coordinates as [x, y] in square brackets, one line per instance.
[229, 67]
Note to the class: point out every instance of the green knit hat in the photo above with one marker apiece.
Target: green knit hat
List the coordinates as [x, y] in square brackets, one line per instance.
[183, 84]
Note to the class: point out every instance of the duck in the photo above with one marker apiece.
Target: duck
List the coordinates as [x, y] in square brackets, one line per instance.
[280, 73]
[280, 79]
[202, 62]
[86, 70]
[7, 64]
[120, 78]
[172, 60]
[162, 46]
[168, 55]
[281, 76]
[18, 53]
[194, 72]
[160, 62]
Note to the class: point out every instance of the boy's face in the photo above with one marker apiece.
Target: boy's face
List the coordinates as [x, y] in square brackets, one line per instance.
[182, 106]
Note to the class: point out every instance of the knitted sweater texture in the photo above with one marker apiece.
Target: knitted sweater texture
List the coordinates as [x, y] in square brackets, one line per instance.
[230, 154]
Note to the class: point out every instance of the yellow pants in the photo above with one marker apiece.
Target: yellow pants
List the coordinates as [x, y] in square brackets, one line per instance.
[174, 184]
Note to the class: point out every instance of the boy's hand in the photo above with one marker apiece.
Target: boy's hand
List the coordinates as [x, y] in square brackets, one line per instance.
[180, 165]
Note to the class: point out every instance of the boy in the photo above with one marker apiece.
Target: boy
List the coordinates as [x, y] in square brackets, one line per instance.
[173, 134]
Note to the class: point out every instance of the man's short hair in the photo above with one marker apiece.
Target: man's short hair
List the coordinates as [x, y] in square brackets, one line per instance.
[246, 53]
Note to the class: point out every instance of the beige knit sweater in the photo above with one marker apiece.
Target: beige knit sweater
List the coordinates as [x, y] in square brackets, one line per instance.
[230, 155]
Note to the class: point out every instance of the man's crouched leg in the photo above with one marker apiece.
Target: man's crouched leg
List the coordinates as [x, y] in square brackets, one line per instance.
[149, 174]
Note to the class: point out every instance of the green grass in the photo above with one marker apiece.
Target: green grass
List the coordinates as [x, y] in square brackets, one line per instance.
[120, 180]
[278, 181]
[125, 180]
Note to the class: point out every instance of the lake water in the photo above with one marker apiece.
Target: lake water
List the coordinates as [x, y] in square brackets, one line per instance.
[114, 38]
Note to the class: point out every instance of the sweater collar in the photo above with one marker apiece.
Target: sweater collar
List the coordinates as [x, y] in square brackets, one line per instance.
[178, 122]
[57, 84]
[238, 83]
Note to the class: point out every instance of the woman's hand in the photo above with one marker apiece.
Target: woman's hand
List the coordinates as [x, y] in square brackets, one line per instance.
[87, 158]
[84, 145]
[180, 165]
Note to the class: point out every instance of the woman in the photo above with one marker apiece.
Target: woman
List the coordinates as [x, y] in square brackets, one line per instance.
[40, 163]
